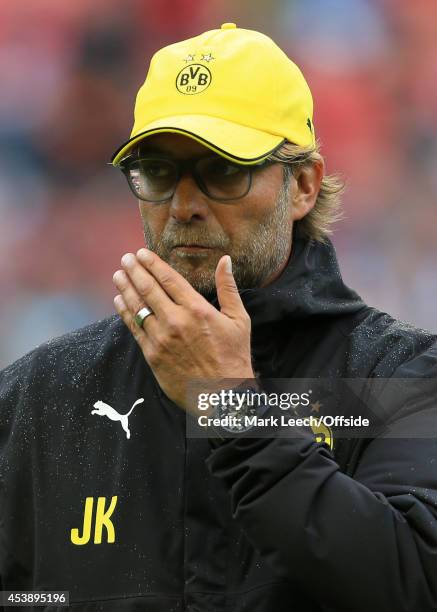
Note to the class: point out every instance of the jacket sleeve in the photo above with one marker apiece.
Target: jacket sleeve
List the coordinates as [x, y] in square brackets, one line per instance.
[361, 543]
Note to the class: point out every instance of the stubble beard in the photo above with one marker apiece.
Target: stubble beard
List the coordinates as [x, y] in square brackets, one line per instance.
[255, 257]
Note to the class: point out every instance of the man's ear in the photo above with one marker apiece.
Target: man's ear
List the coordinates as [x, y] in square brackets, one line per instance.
[308, 181]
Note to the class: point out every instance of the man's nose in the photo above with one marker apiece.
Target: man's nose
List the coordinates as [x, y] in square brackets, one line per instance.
[188, 202]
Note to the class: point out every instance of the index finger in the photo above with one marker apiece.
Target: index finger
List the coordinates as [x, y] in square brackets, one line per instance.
[173, 283]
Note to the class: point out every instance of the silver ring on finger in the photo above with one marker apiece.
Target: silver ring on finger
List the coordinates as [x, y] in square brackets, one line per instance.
[142, 315]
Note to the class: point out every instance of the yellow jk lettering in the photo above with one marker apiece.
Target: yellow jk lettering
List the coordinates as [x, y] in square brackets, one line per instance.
[102, 520]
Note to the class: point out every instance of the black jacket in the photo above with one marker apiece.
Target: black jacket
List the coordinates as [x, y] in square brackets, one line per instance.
[257, 525]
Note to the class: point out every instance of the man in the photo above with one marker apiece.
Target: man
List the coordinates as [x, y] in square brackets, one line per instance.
[239, 283]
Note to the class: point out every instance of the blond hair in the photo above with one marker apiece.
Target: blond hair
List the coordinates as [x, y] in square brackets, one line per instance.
[316, 225]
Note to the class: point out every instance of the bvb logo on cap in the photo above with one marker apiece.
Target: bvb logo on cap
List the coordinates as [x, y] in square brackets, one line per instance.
[193, 79]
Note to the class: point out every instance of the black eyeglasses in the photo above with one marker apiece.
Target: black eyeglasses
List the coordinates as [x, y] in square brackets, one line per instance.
[154, 178]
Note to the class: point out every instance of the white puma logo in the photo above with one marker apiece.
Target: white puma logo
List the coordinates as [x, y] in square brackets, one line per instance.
[103, 409]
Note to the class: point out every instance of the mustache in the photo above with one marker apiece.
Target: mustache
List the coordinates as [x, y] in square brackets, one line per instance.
[184, 236]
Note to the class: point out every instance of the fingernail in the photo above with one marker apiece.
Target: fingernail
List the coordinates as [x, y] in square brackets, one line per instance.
[118, 302]
[145, 255]
[228, 264]
[128, 259]
[118, 277]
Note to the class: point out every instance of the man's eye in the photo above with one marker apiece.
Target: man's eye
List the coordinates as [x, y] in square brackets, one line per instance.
[156, 169]
[222, 168]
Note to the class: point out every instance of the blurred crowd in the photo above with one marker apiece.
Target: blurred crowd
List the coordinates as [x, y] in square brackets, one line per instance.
[69, 75]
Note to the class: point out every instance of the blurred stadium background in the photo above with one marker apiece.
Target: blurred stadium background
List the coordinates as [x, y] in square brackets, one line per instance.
[69, 75]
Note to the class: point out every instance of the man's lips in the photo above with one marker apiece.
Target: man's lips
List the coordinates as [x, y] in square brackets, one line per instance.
[191, 249]
[192, 246]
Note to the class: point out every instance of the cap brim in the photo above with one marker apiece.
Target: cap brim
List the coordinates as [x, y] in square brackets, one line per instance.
[236, 142]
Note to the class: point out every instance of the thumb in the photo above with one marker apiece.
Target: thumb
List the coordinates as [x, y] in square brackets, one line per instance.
[227, 290]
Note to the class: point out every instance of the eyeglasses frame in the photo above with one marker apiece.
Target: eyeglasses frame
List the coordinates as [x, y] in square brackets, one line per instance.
[184, 165]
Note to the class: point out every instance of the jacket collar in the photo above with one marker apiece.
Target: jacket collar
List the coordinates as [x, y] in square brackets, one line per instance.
[310, 286]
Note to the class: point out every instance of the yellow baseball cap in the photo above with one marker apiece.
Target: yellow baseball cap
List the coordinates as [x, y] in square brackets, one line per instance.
[233, 90]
